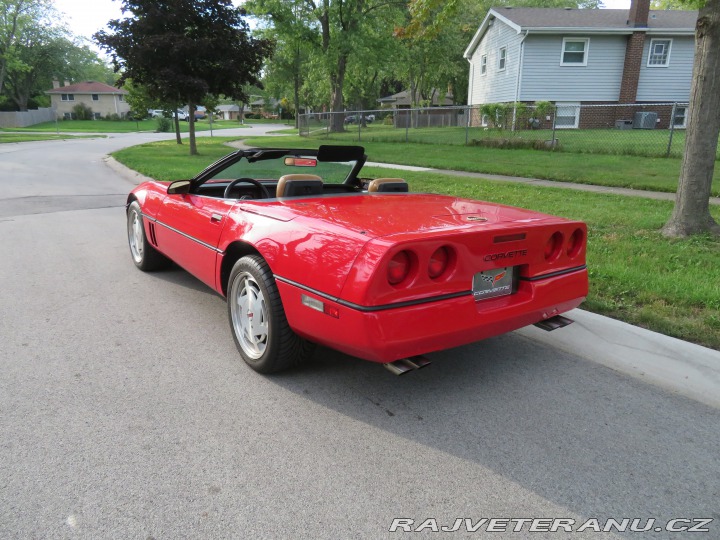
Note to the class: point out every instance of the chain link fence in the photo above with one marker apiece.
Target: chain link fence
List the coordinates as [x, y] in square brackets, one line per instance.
[650, 129]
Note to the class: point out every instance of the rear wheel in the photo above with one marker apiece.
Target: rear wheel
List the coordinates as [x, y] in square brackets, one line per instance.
[144, 255]
[257, 319]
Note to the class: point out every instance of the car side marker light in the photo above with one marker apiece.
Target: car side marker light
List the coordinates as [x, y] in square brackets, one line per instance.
[320, 306]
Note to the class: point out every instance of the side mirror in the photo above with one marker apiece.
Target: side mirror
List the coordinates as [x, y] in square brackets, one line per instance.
[179, 187]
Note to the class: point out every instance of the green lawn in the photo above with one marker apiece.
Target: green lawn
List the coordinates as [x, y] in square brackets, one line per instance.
[636, 275]
[654, 174]
[121, 126]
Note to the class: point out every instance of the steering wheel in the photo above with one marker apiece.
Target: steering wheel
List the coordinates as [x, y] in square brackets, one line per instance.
[265, 194]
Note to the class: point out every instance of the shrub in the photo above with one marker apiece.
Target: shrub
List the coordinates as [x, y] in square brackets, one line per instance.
[82, 112]
[512, 144]
[388, 121]
[163, 124]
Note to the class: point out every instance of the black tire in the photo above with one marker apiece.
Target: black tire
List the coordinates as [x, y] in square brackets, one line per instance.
[143, 254]
[257, 319]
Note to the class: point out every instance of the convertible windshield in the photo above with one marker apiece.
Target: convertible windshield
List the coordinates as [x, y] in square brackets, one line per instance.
[331, 172]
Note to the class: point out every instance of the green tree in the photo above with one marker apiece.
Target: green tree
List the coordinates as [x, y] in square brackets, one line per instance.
[691, 214]
[335, 29]
[16, 18]
[182, 50]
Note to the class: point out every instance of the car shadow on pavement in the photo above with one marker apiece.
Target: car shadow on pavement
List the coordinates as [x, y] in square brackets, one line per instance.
[574, 432]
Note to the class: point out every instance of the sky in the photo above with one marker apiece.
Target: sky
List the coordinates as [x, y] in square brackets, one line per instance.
[85, 17]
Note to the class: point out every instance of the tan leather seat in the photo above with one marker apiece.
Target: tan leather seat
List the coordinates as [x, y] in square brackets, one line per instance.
[387, 185]
[294, 185]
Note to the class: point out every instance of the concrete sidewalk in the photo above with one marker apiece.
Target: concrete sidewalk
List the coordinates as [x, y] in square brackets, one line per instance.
[658, 195]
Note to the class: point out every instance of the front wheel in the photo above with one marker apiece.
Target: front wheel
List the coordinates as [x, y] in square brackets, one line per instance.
[257, 319]
[144, 255]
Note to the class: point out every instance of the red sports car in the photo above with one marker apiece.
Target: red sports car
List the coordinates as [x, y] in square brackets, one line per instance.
[307, 251]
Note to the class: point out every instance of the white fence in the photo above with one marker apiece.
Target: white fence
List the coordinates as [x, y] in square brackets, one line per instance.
[26, 118]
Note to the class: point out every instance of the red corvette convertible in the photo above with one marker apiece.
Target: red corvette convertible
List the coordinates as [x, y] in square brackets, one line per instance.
[307, 251]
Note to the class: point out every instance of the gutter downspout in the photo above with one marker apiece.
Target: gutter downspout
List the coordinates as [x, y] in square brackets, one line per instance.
[517, 83]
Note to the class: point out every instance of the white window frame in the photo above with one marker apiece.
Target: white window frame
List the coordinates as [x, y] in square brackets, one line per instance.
[502, 58]
[683, 124]
[483, 64]
[67, 97]
[484, 120]
[566, 40]
[667, 56]
[567, 105]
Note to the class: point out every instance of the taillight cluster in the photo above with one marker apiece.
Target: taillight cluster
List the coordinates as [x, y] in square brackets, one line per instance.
[556, 244]
[404, 264]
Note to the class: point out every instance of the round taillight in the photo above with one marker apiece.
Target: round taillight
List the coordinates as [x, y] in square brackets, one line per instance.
[575, 243]
[553, 246]
[398, 268]
[438, 263]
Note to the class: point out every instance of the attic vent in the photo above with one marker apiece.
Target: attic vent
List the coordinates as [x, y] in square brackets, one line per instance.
[653, 16]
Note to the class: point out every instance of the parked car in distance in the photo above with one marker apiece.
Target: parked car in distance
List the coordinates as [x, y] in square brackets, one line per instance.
[353, 118]
[307, 251]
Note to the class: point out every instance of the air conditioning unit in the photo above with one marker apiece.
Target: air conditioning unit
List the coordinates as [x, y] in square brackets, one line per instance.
[645, 120]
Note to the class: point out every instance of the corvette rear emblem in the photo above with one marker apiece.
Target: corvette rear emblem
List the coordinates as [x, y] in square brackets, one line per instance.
[476, 218]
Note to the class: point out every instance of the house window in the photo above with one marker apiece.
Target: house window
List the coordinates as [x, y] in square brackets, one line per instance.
[659, 53]
[483, 64]
[67, 116]
[121, 97]
[67, 97]
[484, 120]
[97, 116]
[95, 97]
[574, 51]
[502, 59]
[567, 116]
[680, 118]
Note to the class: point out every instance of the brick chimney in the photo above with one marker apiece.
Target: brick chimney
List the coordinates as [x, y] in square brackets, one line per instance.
[637, 18]
[56, 83]
[639, 12]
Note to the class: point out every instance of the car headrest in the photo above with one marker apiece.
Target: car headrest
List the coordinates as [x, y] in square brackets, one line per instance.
[387, 185]
[294, 185]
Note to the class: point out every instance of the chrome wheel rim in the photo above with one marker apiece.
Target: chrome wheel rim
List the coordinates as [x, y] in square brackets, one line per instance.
[135, 236]
[249, 315]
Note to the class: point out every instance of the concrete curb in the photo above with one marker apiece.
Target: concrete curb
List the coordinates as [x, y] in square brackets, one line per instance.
[681, 367]
[127, 173]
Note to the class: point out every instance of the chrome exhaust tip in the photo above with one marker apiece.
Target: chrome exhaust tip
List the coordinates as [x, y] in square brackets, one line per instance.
[553, 323]
[402, 366]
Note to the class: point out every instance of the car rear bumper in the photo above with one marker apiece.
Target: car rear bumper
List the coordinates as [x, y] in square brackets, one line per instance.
[390, 334]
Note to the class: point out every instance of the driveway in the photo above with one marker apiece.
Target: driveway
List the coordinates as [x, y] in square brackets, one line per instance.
[126, 412]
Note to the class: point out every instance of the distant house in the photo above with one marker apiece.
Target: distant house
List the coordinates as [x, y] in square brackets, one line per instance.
[403, 100]
[575, 57]
[230, 112]
[102, 98]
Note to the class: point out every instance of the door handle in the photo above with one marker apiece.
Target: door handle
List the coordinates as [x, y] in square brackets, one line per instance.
[215, 218]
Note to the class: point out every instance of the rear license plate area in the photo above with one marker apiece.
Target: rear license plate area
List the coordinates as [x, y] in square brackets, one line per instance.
[494, 283]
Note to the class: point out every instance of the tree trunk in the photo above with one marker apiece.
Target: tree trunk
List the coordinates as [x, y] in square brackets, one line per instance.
[691, 214]
[191, 128]
[178, 139]
[337, 79]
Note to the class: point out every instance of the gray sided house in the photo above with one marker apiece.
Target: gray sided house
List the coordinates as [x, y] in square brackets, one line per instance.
[574, 57]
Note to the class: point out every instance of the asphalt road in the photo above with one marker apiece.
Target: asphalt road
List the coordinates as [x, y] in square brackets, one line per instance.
[125, 411]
